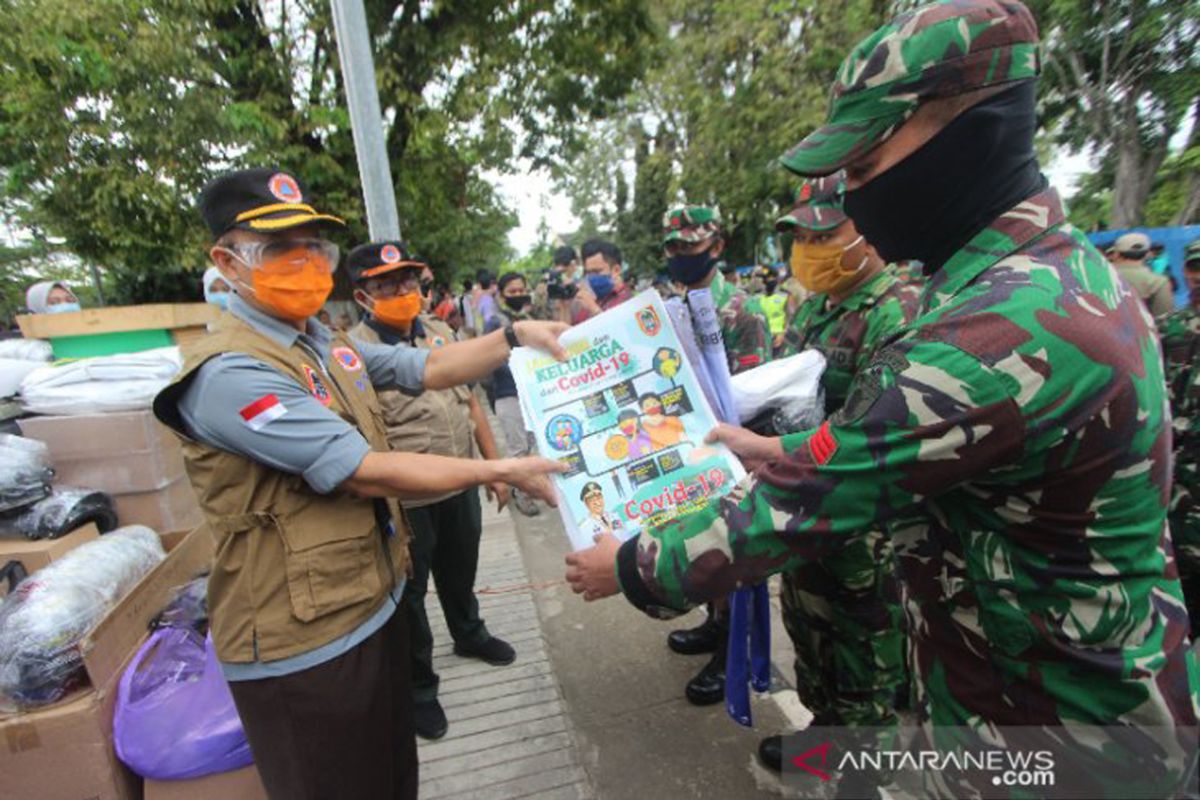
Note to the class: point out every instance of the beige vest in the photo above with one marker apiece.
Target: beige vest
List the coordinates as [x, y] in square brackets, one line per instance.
[437, 422]
[294, 569]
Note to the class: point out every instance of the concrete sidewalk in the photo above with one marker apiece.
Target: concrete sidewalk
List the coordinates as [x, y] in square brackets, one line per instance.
[594, 704]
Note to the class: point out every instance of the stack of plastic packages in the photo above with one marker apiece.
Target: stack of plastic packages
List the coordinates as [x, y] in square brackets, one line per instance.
[18, 358]
[44, 619]
[101, 385]
[31, 508]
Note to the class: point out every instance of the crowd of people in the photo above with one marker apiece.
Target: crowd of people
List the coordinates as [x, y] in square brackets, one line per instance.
[997, 523]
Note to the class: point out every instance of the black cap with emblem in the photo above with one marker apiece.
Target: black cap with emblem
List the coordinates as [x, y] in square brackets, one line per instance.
[376, 258]
[263, 200]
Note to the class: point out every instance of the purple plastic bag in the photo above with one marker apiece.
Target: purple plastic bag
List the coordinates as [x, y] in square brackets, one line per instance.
[175, 717]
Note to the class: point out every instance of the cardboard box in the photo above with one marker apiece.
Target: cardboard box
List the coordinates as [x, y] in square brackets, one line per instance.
[119, 329]
[116, 453]
[65, 751]
[118, 319]
[172, 508]
[242, 784]
[34, 555]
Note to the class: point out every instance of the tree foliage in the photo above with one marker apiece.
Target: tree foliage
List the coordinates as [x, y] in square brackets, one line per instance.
[733, 84]
[1122, 77]
[116, 112]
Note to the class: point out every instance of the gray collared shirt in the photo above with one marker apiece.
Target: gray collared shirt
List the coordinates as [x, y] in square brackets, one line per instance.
[308, 439]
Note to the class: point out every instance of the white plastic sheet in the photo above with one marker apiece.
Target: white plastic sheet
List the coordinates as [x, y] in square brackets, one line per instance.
[790, 388]
[126, 382]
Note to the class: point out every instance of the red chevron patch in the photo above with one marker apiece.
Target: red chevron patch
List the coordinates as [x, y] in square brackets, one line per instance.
[822, 445]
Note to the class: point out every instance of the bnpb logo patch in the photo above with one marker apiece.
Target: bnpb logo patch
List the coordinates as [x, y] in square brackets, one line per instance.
[389, 253]
[317, 386]
[284, 187]
[348, 359]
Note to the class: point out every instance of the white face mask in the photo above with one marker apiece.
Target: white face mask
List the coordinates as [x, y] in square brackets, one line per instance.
[63, 308]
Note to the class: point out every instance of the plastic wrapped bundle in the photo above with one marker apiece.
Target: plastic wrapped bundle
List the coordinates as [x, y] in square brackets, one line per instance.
[126, 382]
[174, 717]
[45, 618]
[25, 471]
[66, 509]
[782, 396]
[188, 607]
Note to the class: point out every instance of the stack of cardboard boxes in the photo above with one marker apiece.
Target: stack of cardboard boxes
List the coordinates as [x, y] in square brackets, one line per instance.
[130, 456]
[65, 751]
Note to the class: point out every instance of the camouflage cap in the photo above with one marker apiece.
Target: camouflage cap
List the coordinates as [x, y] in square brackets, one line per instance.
[818, 205]
[938, 50]
[1191, 256]
[690, 224]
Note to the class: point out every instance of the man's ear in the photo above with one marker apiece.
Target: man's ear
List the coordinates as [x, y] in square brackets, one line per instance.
[718, 247]
[225, 261]
[363, 299]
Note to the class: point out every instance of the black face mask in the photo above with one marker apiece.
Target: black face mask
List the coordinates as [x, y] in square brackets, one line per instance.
[979, 166]
[517, 301]
[691, 269]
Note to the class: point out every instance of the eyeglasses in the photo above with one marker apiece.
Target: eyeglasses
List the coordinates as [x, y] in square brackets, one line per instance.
[393, 284]
[283, 256]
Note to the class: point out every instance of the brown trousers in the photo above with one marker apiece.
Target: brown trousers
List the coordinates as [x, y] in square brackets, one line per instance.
[342, 729]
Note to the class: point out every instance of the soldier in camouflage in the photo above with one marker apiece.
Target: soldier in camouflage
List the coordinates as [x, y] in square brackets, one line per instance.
[1014, 437]
[842, 612]
[693, 244]
[1180, 333]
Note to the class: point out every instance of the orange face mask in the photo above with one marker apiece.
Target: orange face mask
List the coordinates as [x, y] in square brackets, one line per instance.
[398, 311]
[293, 292]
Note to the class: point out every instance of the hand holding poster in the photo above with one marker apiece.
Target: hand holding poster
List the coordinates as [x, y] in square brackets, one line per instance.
[626, 416]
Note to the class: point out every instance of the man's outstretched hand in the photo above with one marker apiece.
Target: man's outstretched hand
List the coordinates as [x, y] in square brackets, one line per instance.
[593, 572]
[542, 336]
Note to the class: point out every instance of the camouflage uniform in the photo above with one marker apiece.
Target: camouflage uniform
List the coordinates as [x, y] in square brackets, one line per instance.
[743, 327]
[1014, 436]
[843, 612]
[1180, 334]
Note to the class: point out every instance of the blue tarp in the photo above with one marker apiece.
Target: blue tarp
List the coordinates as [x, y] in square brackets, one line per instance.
[1173, 240]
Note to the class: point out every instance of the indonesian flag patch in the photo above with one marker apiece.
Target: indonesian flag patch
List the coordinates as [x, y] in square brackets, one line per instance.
[822, 445]
[261, 411]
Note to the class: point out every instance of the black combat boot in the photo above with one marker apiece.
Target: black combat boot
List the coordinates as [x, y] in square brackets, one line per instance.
[704, 638]
[708, 687]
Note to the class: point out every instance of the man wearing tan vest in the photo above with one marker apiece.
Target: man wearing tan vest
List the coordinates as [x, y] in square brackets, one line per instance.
[286, 449]
[445, 529]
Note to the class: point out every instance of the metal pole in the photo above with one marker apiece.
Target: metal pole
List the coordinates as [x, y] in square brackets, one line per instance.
[366, 120]
[95, 270]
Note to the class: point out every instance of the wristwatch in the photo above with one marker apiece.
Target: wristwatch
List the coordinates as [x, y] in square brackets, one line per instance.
[510, 336]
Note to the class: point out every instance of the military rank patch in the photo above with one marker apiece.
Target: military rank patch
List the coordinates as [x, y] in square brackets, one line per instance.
[347, 358]
[822, 445]
[317, 386]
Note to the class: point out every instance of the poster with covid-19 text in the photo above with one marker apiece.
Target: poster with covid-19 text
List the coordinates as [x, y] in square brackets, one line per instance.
[625, 414]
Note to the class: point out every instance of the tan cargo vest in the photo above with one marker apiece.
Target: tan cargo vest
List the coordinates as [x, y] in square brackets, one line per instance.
[437, 422]
[293, 569]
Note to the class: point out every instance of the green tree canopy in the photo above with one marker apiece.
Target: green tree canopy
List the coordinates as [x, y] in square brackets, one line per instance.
[116, 112]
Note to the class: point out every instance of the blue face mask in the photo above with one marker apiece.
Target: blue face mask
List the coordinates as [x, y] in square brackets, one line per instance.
[62, 308]
[220, 300]
[602, 285]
